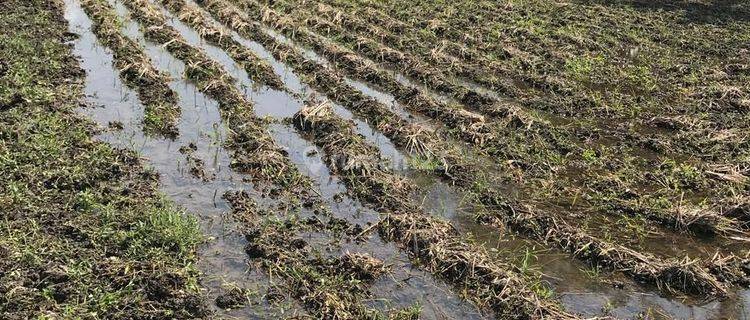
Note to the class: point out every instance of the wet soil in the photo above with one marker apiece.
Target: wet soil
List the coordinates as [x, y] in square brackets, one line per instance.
[195, 170]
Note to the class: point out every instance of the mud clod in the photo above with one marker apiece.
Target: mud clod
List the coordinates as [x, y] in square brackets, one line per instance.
[115, 125]
[233, 299]
[362, 266]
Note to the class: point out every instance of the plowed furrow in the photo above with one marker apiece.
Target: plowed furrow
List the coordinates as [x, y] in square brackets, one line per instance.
[155, 26]
[254, 150]
[302, 66]
[432, 241]
[470, 53]
[456, 59]
[409, 65]
[608, 98]
[627, 260]
[426, 64]
[670, 275]
[489, 137]
[504, 54]
[469, 126]
[708, 221]
[257, 69]
[324, 286]
[137, 71]
[342, 21]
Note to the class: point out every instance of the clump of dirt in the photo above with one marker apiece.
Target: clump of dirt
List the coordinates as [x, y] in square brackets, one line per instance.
[115, 125]
[234, 298]
[189, 148]
[3, 68]
[14, 100]
[196, 166]
[362, 266]
[740, 212]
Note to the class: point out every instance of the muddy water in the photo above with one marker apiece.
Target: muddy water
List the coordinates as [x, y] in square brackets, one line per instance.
[223, 260]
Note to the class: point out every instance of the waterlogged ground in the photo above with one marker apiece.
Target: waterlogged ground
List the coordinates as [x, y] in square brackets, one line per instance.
[371, 159]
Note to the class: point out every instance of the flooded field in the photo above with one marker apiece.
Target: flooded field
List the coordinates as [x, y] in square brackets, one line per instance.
[361, 159]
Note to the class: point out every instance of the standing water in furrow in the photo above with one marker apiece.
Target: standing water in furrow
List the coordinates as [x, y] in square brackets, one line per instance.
[193, 55]
[699, 220]
[444, 299]
[468, 224]
[711, 266]
[650, 263]
[314, 58]
[279, 104]
[193, 168]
